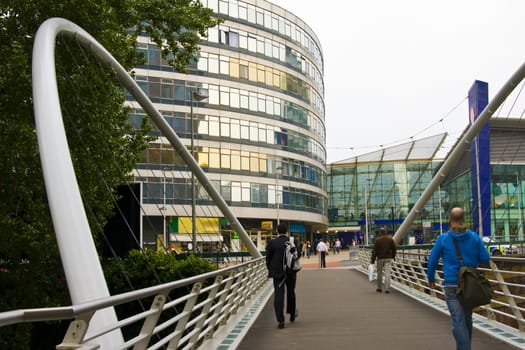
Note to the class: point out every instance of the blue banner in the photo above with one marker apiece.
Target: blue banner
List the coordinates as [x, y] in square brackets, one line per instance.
[478, 97]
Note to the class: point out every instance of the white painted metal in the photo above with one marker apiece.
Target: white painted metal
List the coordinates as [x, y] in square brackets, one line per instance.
[224, 292]
[409, 276]
[231, 287]
[79, 257]
[80, 261]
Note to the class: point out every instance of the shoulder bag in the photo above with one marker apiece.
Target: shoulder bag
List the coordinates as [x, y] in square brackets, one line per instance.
[474, 288]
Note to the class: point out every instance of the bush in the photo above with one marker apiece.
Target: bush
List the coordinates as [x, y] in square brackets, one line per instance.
[149, 268]
[145, 269]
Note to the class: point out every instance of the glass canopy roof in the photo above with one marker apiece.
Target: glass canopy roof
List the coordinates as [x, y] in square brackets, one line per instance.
[422, 149]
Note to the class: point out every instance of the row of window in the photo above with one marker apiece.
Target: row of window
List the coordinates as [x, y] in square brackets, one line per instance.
[224, 159]
[268, 47]
[178, 191]
[253, 14]
[170, 91]
[259, 73]
[209, 127]
[243, 70]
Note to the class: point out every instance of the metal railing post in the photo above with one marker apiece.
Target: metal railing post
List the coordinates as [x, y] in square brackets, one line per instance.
[218, 313]
[181, 324]
[150, 322]
[75, 334]
[508, 296]
[209, 302]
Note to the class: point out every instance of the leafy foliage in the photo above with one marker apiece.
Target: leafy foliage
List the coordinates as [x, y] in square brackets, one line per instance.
[148, 268]
[95, 120]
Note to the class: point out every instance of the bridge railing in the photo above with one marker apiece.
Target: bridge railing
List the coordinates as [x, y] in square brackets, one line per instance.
[181, 314]
[506, 274]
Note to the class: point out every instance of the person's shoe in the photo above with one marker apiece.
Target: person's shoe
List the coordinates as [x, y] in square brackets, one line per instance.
[387, 291]
[294, 316]
[378, 290]
[281, 325]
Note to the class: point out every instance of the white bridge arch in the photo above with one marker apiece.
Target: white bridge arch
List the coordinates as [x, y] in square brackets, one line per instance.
[84, 274]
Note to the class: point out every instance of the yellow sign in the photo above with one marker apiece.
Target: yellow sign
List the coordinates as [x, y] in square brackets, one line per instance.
[203, 225]
[267, 225]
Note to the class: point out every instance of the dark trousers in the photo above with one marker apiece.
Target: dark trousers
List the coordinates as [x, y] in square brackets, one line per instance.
[278, 296]
[323, 259]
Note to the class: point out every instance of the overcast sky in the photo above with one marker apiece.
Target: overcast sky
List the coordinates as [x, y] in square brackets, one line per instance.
[394, 69]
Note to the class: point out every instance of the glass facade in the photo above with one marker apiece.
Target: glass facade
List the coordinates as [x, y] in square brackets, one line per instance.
[380, 195]
[506, 217]
[507, 194]
[377, 190]
[259, 134]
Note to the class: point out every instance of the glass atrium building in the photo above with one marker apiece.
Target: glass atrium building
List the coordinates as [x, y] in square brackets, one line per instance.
[504, 215]
[378, 189]
[258, 131]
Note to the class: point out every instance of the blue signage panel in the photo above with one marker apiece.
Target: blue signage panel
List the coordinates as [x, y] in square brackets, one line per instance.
[297, 227]
[478, 97]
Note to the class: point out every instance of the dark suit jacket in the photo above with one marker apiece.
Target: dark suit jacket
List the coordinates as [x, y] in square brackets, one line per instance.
[275, 256]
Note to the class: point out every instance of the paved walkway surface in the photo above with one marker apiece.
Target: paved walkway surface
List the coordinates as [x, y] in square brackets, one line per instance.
[340, 309]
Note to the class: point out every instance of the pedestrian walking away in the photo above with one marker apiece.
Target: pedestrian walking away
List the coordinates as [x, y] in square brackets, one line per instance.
[323, 251]
[308, 249]
[385, 252]
[473, 252]
[283, 281]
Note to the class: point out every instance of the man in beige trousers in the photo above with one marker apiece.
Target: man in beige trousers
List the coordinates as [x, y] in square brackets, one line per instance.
[385, 252]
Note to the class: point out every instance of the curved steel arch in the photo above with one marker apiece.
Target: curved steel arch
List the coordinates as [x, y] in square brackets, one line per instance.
[84, 275]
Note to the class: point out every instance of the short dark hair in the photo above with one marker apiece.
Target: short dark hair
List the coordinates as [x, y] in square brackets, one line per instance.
[282, 228]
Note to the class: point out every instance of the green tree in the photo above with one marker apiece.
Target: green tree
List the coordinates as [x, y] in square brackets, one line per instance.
[148, 268]
[96, 122]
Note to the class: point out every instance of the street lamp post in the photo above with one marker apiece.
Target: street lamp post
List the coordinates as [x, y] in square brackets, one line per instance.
[163, 209]
[520, 218]
[197, 96]
[367, 184]
[440, 212]
[278, 170]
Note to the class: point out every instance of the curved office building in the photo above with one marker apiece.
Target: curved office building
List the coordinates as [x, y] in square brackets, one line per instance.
[255, 98]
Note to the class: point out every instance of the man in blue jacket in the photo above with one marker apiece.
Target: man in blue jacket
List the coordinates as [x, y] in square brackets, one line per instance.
[473, 252]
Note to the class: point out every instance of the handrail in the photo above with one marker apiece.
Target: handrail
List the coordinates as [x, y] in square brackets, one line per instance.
[506, 274]
[190, 318]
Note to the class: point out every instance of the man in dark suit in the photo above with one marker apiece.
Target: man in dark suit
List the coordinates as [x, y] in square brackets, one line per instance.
[281, 279]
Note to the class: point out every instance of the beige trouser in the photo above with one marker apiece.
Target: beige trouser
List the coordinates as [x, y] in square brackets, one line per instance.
[384, 267]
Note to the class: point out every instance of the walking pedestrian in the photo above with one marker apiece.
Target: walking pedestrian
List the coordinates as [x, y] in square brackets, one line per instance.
[308, 249]
[337, 246]
[473, 252]
[281, 278]
[385, 252]
[323, 251]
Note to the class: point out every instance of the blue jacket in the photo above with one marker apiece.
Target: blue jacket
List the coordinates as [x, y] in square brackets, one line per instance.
[472, 250]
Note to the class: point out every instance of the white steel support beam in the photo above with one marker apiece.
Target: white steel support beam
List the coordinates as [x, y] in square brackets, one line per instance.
[85, 278]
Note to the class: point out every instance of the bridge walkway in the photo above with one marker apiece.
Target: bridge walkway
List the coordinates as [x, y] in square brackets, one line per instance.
[340, 309]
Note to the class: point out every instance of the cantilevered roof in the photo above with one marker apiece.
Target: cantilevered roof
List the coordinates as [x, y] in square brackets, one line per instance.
[422, 149]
